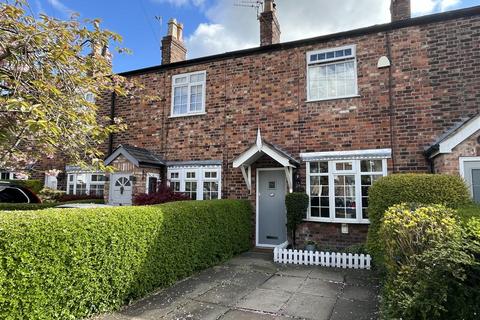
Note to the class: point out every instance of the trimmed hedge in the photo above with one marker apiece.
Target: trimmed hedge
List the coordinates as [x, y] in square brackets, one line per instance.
[67, 264]
[432, 259]
[41, 206]
[34, 185]
[448, 190]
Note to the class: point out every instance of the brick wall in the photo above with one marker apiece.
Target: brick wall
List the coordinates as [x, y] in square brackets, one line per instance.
[435, 83]
[449, 162]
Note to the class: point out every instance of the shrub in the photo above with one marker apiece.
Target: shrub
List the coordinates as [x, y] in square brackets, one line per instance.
[410, 188]
[297, 206]
[75, 197]
[50, 195]
[59, 264]
[34, 185]
[41, 206]
[431, 271]
[26, 206]
[164, 194]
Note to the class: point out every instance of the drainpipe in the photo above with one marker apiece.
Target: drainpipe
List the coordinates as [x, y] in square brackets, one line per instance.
[112, 121]
[390, 99]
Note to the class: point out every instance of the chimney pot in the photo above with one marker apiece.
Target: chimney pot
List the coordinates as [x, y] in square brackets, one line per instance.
[173, 47]
[400, 9]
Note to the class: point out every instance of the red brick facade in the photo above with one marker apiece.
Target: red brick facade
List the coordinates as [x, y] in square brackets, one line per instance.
[433, 82]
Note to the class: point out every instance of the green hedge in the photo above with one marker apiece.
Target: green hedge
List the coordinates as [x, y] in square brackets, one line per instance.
[67, 264]
[34, 185]
[432, 259]
[41, 206]
[410, 188]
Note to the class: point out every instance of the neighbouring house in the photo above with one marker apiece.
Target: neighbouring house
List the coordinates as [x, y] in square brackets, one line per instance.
[328, 115]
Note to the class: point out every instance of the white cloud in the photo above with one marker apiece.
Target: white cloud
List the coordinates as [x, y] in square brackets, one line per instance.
[447, 4]
[233, 28]
[181, 3]
[61, 7]
[420, 7]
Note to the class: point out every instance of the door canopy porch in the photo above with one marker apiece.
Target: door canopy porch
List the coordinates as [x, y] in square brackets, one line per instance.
[139, 157]
[261, 147]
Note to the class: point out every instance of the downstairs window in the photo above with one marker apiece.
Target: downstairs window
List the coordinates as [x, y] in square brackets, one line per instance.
[338, 189]
[200, 183]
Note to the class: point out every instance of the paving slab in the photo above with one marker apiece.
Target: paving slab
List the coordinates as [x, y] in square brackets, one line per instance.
[307, 306]
[283, 283]
[331, 274]
[226, 295]
[251, 286]
[265, 300]
[323, 288]
[294, 270]
[354, 310]
[249, 315]
[360, 293]
[195, 310]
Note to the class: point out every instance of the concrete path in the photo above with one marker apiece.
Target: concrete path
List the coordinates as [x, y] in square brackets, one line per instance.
[251, 286]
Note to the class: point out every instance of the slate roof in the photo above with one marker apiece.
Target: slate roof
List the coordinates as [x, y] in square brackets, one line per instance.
[138, 156]
[449, 133]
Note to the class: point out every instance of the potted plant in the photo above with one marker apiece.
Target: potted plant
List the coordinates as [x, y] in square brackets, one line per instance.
[310, 245]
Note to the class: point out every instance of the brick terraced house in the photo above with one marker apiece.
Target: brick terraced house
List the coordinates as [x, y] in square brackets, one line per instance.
[328, 115]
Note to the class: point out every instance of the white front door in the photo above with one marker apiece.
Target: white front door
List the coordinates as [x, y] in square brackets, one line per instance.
[120, 189]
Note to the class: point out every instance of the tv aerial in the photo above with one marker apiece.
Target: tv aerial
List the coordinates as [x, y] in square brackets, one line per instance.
[256, 4]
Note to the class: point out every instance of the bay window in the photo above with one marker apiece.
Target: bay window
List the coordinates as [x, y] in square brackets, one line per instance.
[188, 94]
[86, 183]
[332, 73]
[338, 189]
[199, 183]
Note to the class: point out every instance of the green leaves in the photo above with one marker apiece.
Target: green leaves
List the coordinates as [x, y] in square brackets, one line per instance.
[47, 68]
[71, 263]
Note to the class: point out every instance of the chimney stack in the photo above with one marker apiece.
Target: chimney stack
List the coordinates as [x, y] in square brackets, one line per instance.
[269, 26]
[400, 10]
[173, 48]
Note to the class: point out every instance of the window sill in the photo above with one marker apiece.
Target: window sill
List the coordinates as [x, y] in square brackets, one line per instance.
[338, 221]
[188, 115]
[332, 99]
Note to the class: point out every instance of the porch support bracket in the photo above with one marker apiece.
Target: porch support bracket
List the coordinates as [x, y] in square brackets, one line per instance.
[247, 176]
[288, 174]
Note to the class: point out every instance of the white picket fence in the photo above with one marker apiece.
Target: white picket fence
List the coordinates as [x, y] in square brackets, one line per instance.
[324, 259]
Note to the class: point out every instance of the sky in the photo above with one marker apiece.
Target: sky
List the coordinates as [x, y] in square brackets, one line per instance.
[217, 26]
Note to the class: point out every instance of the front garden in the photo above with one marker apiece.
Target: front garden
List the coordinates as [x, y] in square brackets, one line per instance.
[425, 240]
[58, 264]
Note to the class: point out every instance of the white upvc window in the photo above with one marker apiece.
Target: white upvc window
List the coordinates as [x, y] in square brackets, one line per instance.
[7, 175]
[188, 94]
[332, 73]
[86, 183]
[338, 189]
[200, 183]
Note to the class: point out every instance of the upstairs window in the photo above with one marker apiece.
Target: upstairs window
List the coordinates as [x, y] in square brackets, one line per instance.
[332, 74]
[188, 94]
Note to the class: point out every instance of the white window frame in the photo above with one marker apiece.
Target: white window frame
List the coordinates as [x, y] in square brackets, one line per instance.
[332, 172]
[199, 177]
[88, 181]
[11, 175]
[461, 168]
[151, 175]
[189, 84]
[330, 62]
